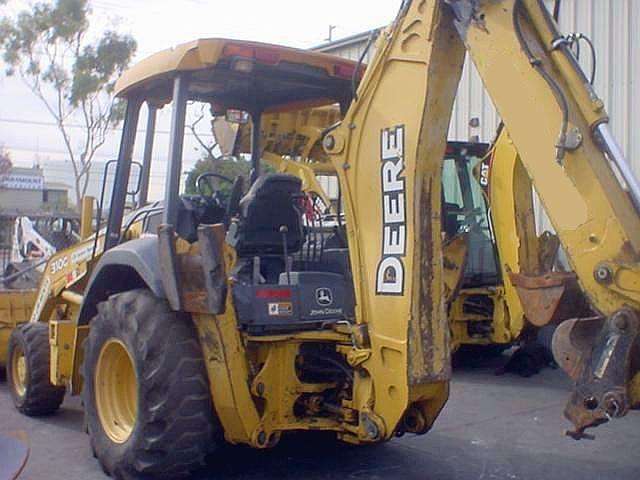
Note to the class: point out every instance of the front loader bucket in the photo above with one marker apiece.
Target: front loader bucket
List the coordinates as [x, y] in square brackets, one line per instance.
[15, 309]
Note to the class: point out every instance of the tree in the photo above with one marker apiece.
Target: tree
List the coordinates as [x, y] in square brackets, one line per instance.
[50, 48]
[230, 167]
[211, 161]
[209, 148]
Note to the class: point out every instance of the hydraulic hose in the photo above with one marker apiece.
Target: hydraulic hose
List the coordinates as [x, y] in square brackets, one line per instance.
[356, 74]
[536, 63]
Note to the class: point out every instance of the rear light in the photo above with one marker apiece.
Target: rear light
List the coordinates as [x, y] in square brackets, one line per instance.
[273, 294]
[266, 56]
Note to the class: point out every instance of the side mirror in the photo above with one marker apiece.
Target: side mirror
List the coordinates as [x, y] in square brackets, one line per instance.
[238, 117]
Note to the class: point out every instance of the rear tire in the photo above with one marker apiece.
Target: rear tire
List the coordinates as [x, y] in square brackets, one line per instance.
[154, 418]
[28, 370]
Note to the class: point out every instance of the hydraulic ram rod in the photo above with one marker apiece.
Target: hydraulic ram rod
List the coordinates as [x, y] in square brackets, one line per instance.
[614, 152]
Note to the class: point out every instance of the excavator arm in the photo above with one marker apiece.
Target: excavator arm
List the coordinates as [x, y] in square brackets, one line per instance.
[388, 153]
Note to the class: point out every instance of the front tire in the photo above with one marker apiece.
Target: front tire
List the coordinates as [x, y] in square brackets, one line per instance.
[146, 391]
[28, 371]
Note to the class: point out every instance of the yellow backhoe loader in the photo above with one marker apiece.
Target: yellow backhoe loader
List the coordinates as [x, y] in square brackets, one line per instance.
[191, 320]
[33, 242]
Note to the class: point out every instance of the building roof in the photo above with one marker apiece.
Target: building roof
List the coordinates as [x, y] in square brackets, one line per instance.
[347, 41]
[33, 213]
[56, 186]
[35, 171]
[32, 171]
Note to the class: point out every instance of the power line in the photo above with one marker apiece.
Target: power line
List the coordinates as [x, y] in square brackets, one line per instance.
[17, 121]
[157, 157]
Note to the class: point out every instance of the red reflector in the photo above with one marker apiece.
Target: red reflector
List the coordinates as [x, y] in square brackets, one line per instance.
[273, 294]
[450, 150]
[343, 70]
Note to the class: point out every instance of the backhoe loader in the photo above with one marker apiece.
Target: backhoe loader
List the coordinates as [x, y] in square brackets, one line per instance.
[190, 321]
[33, 242]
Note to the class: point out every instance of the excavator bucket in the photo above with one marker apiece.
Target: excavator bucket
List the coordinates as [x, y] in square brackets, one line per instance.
[547, 298]
[598, 354]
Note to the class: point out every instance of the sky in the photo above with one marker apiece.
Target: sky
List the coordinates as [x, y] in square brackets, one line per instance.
[25, 126]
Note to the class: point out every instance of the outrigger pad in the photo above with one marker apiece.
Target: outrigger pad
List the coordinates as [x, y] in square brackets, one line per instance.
[14, 452]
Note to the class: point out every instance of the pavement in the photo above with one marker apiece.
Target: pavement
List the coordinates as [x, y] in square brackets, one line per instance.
[494, 427]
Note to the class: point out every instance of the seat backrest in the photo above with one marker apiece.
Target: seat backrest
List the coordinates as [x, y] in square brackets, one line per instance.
[271, 203]
[450, 219]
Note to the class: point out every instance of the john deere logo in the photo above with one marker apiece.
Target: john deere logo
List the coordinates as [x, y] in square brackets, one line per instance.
[390, 275]
[324, 297]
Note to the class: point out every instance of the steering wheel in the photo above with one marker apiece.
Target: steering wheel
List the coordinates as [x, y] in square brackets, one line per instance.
[207, 176]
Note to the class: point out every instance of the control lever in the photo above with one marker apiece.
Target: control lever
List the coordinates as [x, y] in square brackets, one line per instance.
[284, 230]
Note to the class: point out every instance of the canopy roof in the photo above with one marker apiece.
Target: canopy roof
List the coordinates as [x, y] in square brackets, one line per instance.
[243, 75]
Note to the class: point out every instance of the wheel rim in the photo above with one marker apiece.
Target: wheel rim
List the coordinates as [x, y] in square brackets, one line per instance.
[19, 371]
[116, 388]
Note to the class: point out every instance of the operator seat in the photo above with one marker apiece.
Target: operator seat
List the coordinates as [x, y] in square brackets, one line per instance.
[271, 203]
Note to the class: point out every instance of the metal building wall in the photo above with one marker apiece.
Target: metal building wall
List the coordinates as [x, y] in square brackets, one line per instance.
[614, 27]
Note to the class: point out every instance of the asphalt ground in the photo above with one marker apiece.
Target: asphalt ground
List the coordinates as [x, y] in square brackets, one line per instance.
[494, 427]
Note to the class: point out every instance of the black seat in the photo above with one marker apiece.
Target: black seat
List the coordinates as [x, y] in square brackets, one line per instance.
[271, 203]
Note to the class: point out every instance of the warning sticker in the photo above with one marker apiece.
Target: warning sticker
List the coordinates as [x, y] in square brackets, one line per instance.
[284, 309]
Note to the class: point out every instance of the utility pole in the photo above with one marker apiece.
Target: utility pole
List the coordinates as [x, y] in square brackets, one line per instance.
[331, 30]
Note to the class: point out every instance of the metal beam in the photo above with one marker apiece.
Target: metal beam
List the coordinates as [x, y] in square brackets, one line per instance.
[148, 155]
[256, 152]
[123, 170]
[176, 145]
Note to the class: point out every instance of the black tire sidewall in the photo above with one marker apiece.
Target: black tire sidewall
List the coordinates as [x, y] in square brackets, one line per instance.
[17, 339]
[107, 450]
[157, 341]
[40, 397]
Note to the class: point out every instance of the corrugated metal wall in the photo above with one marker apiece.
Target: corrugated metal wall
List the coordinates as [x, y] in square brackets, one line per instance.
[614, 27]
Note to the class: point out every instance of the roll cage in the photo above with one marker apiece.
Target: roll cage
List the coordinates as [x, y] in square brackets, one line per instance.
[252, 77]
